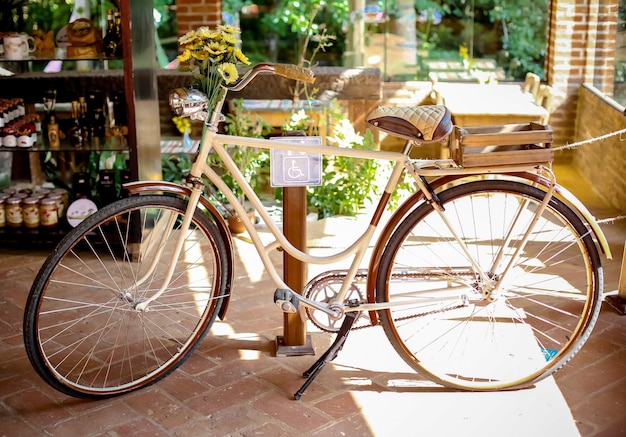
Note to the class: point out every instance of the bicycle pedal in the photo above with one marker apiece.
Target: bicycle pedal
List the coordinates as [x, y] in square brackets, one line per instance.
[286, 300]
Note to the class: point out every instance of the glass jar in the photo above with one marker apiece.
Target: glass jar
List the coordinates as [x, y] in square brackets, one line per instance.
[13, 207]
[58, 199]
[3, 217]
[48, 215]
[30, 212]
[9, 138]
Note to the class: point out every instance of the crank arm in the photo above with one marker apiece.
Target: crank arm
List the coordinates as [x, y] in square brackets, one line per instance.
[289, 301]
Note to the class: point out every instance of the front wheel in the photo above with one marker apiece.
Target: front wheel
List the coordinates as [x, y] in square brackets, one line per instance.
[504, 329]
[82, 330]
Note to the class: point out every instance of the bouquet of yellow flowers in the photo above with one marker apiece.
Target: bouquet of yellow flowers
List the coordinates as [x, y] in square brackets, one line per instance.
[212, 56]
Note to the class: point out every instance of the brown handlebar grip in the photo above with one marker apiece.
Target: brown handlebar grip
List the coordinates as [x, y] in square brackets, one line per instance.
[294, 72]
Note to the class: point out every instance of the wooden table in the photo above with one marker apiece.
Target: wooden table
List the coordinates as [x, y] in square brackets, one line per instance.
[277, 112]
[473, 104]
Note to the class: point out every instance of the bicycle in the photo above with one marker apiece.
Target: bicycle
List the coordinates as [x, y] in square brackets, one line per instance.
[480, 283]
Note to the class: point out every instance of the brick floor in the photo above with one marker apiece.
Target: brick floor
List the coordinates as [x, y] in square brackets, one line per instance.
[234, 385]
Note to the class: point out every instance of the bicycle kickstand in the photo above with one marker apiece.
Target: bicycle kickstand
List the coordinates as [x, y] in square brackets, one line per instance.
[330, 354]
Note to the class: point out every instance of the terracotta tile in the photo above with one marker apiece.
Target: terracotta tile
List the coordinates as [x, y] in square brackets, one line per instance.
[618, 428]
[238, 420]
[12, 424]
[268, 429]
[139, 428]
[216, 400]
[603, 409]
[95, 421]
[338, 406]
[159, 408]
[353, 426]
[237, 370]
[37, 408]
[299, 415]
[182, 386]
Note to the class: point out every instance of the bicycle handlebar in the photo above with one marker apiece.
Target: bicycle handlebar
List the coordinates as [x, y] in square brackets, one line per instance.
[294, 72]
[286, 70]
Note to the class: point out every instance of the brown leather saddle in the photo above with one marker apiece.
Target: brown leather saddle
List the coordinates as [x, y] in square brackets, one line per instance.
[422, 124]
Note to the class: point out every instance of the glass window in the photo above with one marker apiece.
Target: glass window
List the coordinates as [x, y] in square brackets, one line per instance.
[406, 39]
[620, 56]
[456, 40]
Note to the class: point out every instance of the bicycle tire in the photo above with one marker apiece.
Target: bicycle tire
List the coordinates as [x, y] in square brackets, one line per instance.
[82, 332]
[530, 327]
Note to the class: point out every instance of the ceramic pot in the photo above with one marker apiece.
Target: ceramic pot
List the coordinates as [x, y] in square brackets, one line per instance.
[236, 225]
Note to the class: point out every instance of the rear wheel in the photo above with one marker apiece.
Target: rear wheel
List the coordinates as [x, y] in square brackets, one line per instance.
[82, 331]
[491, 332]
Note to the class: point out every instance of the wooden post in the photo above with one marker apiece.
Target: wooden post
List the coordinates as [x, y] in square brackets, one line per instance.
[295, 340]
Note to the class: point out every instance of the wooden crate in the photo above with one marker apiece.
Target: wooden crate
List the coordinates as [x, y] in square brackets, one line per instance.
[509, 144]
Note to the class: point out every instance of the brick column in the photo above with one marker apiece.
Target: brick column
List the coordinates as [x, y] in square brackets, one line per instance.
[581, 48]
[192, 14]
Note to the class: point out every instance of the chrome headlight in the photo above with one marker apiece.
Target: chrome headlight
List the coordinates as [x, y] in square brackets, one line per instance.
[185, 102]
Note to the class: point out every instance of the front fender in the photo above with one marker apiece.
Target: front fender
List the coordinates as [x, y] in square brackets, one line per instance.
[151, 187]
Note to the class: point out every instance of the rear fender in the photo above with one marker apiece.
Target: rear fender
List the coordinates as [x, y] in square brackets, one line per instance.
[159, 187]
[416, 199]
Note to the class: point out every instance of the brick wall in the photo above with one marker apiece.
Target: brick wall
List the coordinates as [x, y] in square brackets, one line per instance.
[581, 48]
[193, 13]
[607, 157]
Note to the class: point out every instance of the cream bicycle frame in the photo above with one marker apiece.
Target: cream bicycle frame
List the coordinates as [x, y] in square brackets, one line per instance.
[212, 140]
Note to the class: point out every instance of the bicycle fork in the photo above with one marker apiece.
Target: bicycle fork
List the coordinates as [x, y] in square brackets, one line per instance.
[196, 192]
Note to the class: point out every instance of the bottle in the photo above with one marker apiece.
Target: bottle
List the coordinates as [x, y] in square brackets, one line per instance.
[110, 38]
[84, 120]
[119, 50]
[53, 133]
[75, 132]
[81, 185]
[125, 177]
[96, 101]
[107, 191]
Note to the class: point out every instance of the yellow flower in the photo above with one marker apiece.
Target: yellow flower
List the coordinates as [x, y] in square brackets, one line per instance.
[213, 56]
[214, 49]
[241, 57]
[200, 54]
[184, 56]
[230, 38]
[229, 72]
[227, 29]
[187, 38]
[203, 32]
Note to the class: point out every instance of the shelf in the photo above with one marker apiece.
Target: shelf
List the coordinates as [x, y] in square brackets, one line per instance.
[20, 237]
[111, 144]
[135, 80]
[59, 58]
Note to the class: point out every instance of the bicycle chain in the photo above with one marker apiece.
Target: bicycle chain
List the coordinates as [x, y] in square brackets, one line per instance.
[414, 316]
[399, 319]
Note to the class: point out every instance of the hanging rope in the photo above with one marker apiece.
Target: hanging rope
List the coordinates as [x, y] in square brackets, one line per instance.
[592, 140]
[611, 220]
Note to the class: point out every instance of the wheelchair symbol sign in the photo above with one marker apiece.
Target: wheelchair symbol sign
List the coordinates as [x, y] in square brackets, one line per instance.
[290, 168]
